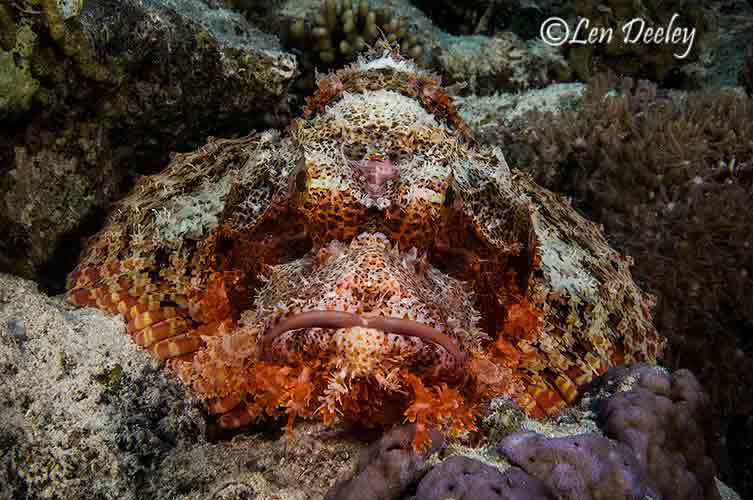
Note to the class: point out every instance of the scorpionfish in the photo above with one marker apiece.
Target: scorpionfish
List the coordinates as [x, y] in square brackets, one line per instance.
[372, 263]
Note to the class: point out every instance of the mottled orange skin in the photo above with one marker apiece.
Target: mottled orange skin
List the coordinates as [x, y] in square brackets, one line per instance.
[373, 265]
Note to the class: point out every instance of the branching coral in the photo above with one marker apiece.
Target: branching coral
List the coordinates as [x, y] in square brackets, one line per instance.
[669, 178]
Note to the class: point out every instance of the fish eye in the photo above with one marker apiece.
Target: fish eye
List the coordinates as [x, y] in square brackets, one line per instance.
[354, 152]
[400, 155]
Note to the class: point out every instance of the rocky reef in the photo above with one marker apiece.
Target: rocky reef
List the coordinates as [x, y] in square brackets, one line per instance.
[622, 54]
[484, 64]
[521, 357]
[667, 174]
[88, 415]
[95, 93]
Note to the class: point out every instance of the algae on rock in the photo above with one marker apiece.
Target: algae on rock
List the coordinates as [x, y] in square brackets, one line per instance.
[17, 84]
[105, 90]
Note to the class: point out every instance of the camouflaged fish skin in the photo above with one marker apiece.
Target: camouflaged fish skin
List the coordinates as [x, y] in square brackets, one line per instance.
[372, 263]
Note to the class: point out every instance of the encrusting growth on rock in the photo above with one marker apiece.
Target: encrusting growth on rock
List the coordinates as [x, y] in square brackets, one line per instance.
[373, 264]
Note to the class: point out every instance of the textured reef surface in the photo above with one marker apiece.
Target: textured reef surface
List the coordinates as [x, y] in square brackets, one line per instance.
[95, 93]
[672, 192]
[391, 296]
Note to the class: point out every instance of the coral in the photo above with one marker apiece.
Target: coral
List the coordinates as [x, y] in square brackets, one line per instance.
[586, 466]
[331, 33]
[484, 112]
[93, 94]
[569, 456]
[660, 418]
[17, 84]
[621, 54]
[482, 64]
[49, 189]
[733, 35]
[501, 63]
[341, 30]
[668, 176]
[387, 467]
[282, 280]
[462, 478]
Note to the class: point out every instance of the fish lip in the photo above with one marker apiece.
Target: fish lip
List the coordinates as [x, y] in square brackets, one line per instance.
[342, 319]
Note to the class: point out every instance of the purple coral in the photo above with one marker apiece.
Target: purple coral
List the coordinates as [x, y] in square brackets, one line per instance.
[463, 478]
[656, 447]
[587, 466]
[658, 418]
[653, 448]
[387, 467]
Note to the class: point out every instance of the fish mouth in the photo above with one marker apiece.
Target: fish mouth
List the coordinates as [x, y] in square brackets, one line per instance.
[340, 319]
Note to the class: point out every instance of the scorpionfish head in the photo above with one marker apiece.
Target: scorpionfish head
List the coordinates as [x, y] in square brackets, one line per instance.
[375, 156]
